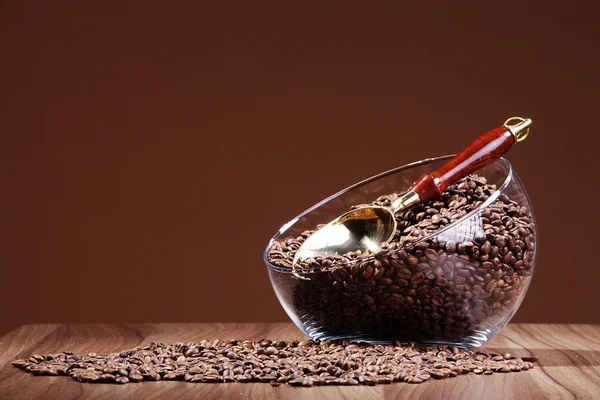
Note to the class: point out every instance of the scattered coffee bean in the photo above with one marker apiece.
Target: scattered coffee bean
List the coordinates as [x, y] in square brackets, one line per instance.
[307, 363]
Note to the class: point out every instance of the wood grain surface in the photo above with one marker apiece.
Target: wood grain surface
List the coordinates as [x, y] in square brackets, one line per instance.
[568, 367]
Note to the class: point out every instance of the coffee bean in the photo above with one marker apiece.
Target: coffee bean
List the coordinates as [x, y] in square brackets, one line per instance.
[309, 363]
[271, 351]
[450, 247]
[19, 363]
[404, 273]
[417, 278]
[422, 245]
[431, 254]
[135, 376]
[412, 260]
[500, 241]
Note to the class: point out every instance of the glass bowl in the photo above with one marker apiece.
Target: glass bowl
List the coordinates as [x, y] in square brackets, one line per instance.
[457, 286]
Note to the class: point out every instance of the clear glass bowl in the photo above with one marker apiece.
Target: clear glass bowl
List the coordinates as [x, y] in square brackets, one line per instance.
[457, 296]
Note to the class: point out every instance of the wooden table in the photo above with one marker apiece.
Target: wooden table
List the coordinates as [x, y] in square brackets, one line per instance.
[568, 367]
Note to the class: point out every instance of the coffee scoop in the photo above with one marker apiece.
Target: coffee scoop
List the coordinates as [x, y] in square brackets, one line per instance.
[367, 227]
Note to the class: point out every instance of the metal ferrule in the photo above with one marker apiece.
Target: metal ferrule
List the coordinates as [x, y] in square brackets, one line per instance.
[406, 200]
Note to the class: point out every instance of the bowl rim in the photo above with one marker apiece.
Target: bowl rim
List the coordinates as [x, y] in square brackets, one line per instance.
[507, 180]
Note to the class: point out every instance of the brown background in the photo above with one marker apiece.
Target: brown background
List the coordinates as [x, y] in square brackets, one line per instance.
[148, 152]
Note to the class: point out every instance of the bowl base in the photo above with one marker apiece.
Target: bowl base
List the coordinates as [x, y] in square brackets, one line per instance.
[475, 339]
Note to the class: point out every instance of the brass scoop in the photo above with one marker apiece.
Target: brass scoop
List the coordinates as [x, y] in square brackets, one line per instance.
[368, 227]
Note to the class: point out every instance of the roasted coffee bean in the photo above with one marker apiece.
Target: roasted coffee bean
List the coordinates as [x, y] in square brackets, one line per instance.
[417, 278]
[404, 273]
[135, 376]
[308, 363]
[431, 254]
[450, 247]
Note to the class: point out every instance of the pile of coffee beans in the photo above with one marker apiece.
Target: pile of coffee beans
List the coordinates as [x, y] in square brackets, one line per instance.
[304, 363]
[447, 274]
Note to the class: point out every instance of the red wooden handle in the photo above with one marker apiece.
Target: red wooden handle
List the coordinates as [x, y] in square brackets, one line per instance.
[482, 151]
